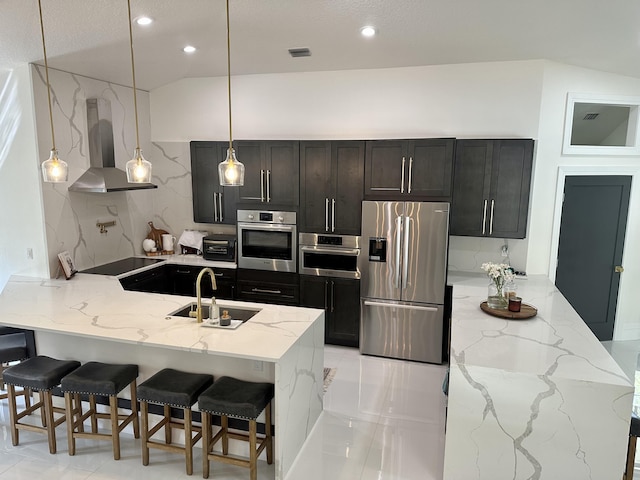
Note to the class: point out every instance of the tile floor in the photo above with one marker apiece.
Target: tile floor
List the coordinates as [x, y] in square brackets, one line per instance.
[383, 420]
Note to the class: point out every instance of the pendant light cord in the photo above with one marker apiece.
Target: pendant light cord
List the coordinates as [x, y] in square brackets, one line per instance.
[229, 78]
[46, 73]
[133, 74]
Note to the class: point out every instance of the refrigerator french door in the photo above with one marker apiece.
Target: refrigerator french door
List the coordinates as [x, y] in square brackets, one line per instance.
[403, 277]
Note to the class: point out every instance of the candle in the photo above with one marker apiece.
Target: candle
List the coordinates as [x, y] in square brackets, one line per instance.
[514, 304]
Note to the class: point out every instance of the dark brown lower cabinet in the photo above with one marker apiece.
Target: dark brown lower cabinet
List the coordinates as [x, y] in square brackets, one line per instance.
[340, 299]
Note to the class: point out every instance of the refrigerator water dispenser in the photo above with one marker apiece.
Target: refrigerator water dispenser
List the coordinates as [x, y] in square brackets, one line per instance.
[378, 249]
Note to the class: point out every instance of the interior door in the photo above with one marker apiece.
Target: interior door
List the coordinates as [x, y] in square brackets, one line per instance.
[592, 231]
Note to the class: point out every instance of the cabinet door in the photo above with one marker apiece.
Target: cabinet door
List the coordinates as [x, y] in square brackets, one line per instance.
[510, 184]
[430, 169]
[472, 174]
[315, 176]
[282, 176]
[343, 319]
[313, 292]
[250, 153]
[347, 175]
[384, 175]
[212, 203]
[155, 280]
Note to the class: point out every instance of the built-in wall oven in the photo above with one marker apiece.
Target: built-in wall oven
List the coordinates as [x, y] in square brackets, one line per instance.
[329, 255]
[267, 240]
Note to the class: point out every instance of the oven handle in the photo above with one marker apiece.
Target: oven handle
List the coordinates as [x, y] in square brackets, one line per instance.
[267, 227]
[335, 251]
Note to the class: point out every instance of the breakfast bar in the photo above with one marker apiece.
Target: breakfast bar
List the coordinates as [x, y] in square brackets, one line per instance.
[534, 398]
[91, 318]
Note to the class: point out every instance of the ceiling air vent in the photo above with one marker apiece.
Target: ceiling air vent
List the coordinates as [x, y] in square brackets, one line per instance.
[590, 116]
[299, 52]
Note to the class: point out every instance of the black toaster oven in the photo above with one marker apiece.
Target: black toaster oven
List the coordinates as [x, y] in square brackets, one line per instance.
[219, 247]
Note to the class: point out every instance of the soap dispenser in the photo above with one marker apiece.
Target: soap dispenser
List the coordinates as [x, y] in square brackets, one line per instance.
[214, 312]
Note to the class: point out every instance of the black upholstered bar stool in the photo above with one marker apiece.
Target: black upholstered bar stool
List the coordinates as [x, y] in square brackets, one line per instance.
[172, 388]
[41, 374]
[634, 433]
[102, 379]
[230, 397]
[13, 348]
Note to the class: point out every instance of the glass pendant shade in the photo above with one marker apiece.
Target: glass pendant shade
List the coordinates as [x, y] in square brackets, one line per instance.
[231, 171]
[55, 170]
[138, 169]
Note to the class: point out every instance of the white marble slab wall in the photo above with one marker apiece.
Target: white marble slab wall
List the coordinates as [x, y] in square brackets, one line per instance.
[71, 217]
[467, 254]
[299, 384]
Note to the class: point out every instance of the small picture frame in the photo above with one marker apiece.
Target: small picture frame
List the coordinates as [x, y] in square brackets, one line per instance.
[66, 262]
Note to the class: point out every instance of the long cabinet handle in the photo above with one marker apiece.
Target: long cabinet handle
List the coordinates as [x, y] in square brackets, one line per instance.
[262, 185]
[484, 217]
[369, 303]
[268, 185]
[215, 206]
[398, 242]
[333, 214]
[333, 296]
[402, 177]
[410, 176]
[326, 293]
[220, 205]
[491, 221]
[326, 214]
[264, 290]
[405, 259]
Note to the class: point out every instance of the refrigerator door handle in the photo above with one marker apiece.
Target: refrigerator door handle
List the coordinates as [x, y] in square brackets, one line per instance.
[398, 243]
[405, 257]
[369, 303]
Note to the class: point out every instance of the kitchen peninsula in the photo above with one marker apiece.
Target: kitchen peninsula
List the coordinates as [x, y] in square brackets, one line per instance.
[531, 399]
[91, 318]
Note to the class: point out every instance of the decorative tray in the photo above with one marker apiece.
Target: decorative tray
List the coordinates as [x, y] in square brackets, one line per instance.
[526, 311]
[234, 324]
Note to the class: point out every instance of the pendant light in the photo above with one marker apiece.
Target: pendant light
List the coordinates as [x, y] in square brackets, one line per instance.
[231, 171]
[138, 169]
[54, 170]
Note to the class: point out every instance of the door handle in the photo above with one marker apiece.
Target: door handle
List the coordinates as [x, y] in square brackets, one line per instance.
[398, 242]
[215, 206]
[405, 259]
[264, 290]
[491, 221]
[484, 216]
[326, 290]
[402, 177]
[262, 185]
[220, 205]
[619, 269]
[410, 171]
[326, 214]
[333, 214]
[268, 185]
[333, 296]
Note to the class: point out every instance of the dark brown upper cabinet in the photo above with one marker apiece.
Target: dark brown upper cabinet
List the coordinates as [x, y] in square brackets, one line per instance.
[491, 188]
[419, 169]
[331, 186]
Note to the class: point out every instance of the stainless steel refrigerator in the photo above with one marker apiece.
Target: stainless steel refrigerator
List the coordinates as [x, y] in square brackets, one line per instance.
[403, 269]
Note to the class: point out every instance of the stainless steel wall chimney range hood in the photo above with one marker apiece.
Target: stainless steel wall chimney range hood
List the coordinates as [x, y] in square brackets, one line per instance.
[103, 176]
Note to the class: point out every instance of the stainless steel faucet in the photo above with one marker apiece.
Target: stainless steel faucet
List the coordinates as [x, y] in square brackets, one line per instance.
[198, 313]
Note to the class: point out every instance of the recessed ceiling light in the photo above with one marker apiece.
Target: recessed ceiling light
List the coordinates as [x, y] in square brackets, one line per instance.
[368, 31]
[189, 49]
[144, 21]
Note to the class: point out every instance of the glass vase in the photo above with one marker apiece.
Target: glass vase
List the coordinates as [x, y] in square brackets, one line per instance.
[496, 298]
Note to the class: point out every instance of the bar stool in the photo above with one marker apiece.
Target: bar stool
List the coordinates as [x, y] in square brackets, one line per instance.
[13, 348]
[634, 433]
[95, 378]
[230, 397]
[41, 374]
[172, 388]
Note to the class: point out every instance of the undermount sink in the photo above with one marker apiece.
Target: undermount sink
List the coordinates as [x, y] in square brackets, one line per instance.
[242, 314]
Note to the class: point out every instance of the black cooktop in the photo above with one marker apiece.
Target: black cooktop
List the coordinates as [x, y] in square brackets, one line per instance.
[122, 266]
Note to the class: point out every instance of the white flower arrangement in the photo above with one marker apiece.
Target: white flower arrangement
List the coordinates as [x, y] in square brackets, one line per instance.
[500, 274]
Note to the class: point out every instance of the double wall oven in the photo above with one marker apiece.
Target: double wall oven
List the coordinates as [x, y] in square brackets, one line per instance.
[267, 240]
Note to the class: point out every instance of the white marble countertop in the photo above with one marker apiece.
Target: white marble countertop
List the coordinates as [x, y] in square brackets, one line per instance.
[96, 306]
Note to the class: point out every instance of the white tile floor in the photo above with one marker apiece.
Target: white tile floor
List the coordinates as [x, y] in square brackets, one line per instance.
[383, 419]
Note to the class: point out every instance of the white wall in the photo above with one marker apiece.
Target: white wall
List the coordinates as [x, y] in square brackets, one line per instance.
[21, 214]
[558, 81]
[71, 217]
[485, 100]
